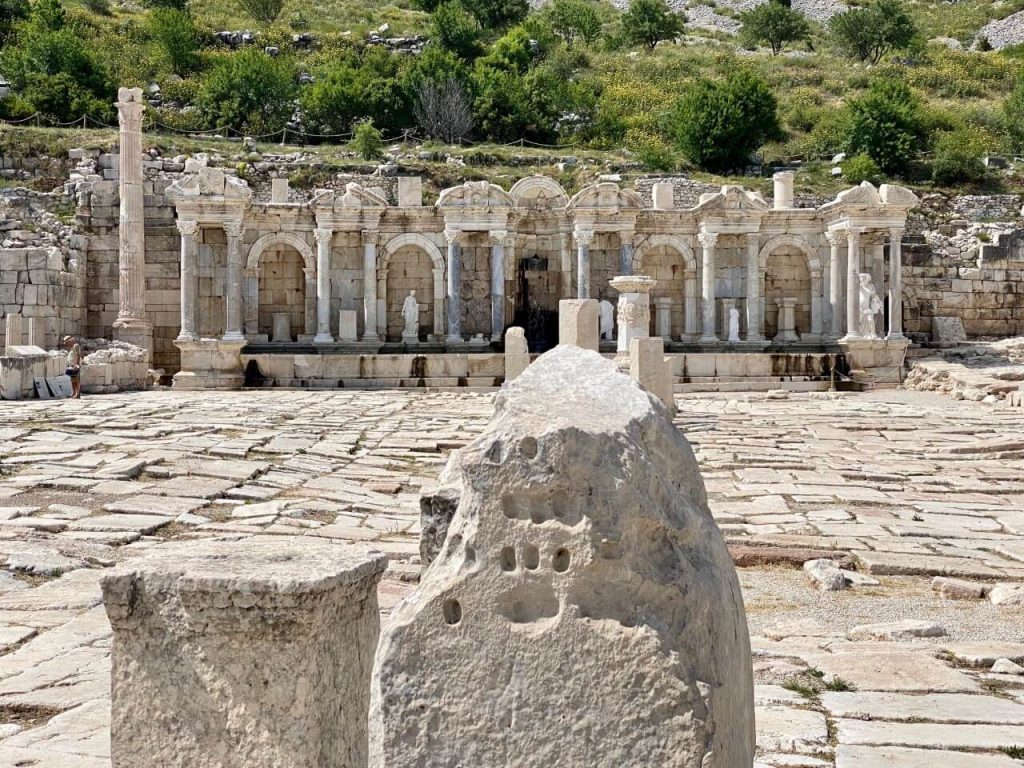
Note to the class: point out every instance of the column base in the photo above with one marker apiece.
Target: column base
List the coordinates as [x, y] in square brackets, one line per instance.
[452, 338]
[233, 336]
[186, 336]
[323, 338]
[370, 337]
[895, 337]
[708, 340]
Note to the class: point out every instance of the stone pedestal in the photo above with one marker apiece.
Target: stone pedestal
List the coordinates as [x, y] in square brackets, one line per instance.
[244, 654]
[787, 321]
[517, 352]
[578, 323]
[12, 331]
[634, 310]
[649, 367]
[875, 361]
[724, 305]
[209, 364]
[347, 325]
[282, 327]
[663, 320]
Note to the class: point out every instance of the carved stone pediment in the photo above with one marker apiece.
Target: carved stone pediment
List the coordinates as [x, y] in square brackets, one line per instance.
[480, 195]
[732, 197]
[211, 184]
[605, 196]
[898, 197]
[538, 193]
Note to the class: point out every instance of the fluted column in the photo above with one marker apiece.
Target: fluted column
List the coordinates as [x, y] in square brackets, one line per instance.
[324, 237]
[454, 308]
[755, 304]
[852, 270]
[498, 284]
[189, 280]
[835, 315]
[708, 240]
[370, 238]
[233, 287]
[895, 285]
[584, 237]
[131, 227]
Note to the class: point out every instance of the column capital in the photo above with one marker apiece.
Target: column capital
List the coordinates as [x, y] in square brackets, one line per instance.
[234, 228]
[853, 233]
[323, 236]
[708, 239]
[452, 235]
[583, 236]
[896, 233]
[370, 236]
[309, 273]
[498, 237]
[832, 236]
[187, 227]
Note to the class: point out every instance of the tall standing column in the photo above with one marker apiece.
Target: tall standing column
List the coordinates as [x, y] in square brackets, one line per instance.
[189, 280]
[852, 270]
[755, 306]
[454, 309]
[708, 240]
[324, 237]
[584, 237]
[131, 323]
[370, 237]
[895, 285]
[233, 292]
[626, 254]
[835, 315]
[498, 284]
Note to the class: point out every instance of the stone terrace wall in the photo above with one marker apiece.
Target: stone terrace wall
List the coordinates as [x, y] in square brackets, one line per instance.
[37, 283]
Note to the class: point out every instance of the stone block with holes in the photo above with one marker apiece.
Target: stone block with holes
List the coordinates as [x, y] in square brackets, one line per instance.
[583, 608]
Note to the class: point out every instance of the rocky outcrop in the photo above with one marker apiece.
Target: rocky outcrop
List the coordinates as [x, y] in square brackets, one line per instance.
[584, 565]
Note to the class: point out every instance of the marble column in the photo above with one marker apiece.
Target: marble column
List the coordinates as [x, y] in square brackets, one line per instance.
[634, 310]
[309, 314]
[498, 284]
[852, 270]
[438, 303]
[708, 240]
[835, 312]
[755, 303]
[382, 304]
[454, 309]
[690, 307]
[370, 237]
[565, 261]
[131, 324]
[626, 254]
[876, 266]
[251, 281]
[233, 287]
[583, 240]
[324, 237]
[895, 285]
[189, 289]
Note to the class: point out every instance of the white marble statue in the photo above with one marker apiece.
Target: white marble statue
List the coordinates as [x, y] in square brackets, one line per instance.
[870, 305]
[734, 325]
[411, 316]
[607, 319]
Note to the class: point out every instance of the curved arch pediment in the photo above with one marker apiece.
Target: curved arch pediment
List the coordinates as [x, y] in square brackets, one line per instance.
[605, 195]
[475, 194]
[292, 239]
[536, 191]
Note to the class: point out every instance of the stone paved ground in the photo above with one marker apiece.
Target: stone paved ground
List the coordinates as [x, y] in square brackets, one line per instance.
[903, 486]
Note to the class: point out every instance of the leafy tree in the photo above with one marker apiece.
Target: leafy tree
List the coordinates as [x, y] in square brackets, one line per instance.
[265, 11]
[870, 33]
[573, 19]
[367, 141]
[178, 36]
[249, 91]
[356, 87]
[648, 22]
[958, 158]
[861, 168]
[456, 30]
[436, 65]
[11, 12]
[1013, 115]
[887, 125]
[497, 14]
[718, 124]
[774, 24]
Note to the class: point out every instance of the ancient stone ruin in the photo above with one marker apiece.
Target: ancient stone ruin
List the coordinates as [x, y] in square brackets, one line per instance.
[583, 609]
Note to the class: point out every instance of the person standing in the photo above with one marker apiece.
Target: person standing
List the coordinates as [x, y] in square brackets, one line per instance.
[74, 369]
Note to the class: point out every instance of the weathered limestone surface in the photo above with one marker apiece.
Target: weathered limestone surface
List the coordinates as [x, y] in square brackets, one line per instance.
[517, 353]
[252, 653]
[578, 323]
[583, 564]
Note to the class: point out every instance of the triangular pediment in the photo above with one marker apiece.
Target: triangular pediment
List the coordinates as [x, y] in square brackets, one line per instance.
[732, 197]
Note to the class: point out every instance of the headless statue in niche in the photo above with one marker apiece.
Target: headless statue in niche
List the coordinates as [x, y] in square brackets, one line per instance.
[870, 305]
[734, 325]
[607, 310]
[411, 317]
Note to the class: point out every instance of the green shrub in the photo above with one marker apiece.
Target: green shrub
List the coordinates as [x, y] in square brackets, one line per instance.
[718, 125]
[356, 87]
[11, 12]
[1013, 116]
[861, 168]
[180, 5]
[573, 19]
[651, 150]
[248, 91]
[455, 29]
[774, 24]
[869, 33]
[648, 22]
[886, 124]
[497, 14]
[100, 7]
[958, 158]
[265, 11]
[177, 36]
[367, 141]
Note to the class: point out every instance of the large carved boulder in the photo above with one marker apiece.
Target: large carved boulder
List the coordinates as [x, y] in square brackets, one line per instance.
[583, 610]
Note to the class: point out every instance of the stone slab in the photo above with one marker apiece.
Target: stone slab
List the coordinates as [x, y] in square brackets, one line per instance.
[935, 707]
[848, 756]
[905, 671]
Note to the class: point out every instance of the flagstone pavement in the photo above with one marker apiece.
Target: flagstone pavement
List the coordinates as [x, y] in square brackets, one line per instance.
[896, 487]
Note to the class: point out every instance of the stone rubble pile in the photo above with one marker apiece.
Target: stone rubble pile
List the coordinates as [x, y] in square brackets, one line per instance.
[989, 372]
[1002, 33]
[103, 351]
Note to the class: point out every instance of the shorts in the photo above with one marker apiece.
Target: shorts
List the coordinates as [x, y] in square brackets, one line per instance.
[74, 373]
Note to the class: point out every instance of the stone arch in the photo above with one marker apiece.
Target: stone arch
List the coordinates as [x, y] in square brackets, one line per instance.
[537, 187]
[790, 241]
[672, 241]
[676, 287]
[411, 238]
[281, 238]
